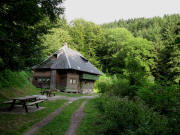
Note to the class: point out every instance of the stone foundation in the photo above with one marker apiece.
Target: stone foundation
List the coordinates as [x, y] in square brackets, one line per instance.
[87, 91]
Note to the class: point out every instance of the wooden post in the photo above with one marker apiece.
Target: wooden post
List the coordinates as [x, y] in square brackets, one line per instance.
[53, 80]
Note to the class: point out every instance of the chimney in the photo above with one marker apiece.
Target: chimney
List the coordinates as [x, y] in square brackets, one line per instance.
[65, 44]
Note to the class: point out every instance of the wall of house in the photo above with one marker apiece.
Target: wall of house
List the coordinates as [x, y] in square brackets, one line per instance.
[87, 86]
[53, 80]
[66, 80]
[41, 79]
[73, 84]
[61, 80]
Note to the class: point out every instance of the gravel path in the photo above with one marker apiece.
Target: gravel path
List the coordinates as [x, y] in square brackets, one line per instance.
[76, 120]
[71, 98]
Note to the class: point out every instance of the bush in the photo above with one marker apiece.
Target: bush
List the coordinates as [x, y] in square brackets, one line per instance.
[162, 98]
[166, 100]
[103, 84]
[121, 116]
[115, 85]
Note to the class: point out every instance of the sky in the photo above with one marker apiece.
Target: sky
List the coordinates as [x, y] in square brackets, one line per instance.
[104, 11]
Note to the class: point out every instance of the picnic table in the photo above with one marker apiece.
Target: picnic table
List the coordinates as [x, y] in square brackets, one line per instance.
[48, 92]
[24, 101]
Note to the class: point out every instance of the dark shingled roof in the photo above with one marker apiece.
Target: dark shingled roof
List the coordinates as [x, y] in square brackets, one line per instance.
[68, 59]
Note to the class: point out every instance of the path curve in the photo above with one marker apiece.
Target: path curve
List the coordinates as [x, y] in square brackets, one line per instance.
[76, 119]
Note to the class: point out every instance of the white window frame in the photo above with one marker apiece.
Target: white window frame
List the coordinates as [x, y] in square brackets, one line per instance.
[74, 81]
[71, 81]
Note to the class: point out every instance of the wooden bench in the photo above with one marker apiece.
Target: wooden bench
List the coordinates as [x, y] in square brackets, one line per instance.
[24, 101]
[27, 104]
[48, 92]
[42, 92]
[8, 102]
[54, 93]
[35, 103]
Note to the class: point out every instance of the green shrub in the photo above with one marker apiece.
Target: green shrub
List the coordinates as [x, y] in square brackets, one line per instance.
[115, 85]
[121, 116]
[164, 99]
[103, 84]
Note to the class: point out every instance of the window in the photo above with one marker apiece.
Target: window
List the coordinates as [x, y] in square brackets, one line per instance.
[43, 79]
[71, 81]
[48, 80]
[74, 81]
[39, 80]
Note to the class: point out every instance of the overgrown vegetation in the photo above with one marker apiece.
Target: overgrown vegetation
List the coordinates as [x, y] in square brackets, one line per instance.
[146, 108]
[121, 116]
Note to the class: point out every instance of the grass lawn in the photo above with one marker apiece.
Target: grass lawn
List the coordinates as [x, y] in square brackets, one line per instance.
[17, 124]
[89, 125]
[60, 124]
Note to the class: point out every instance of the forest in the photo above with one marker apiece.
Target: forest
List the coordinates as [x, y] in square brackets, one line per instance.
[139, 58]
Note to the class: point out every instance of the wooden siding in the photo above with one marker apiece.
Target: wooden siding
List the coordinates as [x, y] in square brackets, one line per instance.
[73, 87]
[37, 75]
[46, 73]
[53, 80]
[61, 80]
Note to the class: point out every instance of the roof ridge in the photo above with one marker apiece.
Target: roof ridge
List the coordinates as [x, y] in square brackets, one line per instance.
[64, 49]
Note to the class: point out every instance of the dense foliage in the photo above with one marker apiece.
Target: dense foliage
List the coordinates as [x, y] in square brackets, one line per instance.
[120, 116]
[164, 35]
[21, 24]
[124, 106]
[141, 93]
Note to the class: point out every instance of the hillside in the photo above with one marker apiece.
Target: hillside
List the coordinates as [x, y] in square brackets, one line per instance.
[15, 84]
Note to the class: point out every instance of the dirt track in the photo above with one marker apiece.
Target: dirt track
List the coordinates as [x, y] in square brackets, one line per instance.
[43, 122]
[76, 120]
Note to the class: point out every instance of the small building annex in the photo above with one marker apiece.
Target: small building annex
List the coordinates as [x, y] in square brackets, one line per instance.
[66, 70]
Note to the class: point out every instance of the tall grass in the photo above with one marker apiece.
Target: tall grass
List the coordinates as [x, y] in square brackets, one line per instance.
[15, 84]
[9, 78]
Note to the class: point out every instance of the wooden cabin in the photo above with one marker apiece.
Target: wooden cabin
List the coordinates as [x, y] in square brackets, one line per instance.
[66, 70]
